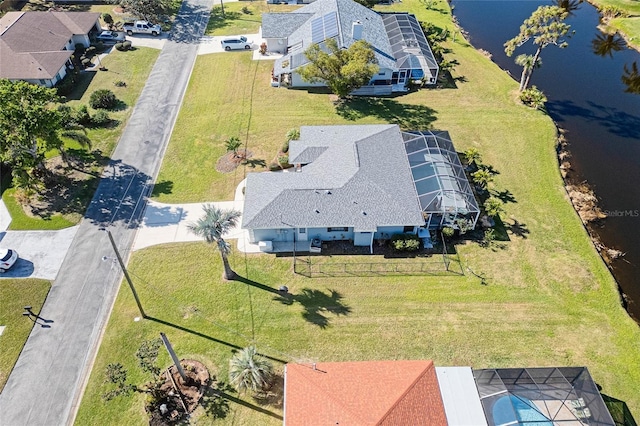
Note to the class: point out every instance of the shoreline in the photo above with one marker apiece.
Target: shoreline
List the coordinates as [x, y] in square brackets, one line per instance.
[633, 40]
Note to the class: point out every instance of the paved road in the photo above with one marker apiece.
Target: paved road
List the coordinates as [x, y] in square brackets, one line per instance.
[47, 382]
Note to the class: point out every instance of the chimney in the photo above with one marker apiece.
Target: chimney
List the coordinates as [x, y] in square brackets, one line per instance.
[356, 30]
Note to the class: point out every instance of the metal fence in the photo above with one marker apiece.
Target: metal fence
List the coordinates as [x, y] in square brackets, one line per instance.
[446, 265]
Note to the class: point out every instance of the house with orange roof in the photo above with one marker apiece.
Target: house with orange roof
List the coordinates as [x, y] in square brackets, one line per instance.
[363, 393]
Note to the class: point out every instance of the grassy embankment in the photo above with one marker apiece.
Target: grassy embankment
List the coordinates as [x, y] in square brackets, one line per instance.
[628, 26]
[550, 300]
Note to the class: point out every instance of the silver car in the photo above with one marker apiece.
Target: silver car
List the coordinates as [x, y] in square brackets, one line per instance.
[236, 43]
[110, 37]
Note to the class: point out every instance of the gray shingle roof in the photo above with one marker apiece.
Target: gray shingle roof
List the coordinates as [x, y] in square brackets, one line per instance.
[280, 25]
[32, 43]
[360, 180]
[348, 11]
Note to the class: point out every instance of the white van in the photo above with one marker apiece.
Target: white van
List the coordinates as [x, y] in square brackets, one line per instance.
[236, 43]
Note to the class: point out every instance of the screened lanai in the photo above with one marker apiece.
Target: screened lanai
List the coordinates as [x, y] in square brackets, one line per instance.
[443, 190]
[414, 58]
[554, 396]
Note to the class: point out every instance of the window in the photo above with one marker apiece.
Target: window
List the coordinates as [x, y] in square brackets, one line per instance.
[302, 230]
[341, 229]
[407, 229]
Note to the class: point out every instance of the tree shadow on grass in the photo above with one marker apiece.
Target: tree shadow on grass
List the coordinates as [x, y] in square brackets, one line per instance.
[82, 83]
[505, 196]
[162, 187]
[317, 304]
[407, 116]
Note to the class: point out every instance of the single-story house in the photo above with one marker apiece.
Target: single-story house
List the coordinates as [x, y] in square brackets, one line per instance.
[359, 183]
[37, 46]
[400, 46]
[418, 393]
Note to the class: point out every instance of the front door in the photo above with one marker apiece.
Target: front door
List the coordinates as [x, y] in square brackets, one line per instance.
[302, 234]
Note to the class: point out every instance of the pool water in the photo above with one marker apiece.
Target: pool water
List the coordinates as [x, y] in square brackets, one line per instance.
[525, 411]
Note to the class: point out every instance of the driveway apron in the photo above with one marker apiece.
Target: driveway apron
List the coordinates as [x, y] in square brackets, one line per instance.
[48, 380]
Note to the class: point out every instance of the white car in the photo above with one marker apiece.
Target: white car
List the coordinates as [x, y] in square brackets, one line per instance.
[110, 37]
[236, 43]
[7, 258]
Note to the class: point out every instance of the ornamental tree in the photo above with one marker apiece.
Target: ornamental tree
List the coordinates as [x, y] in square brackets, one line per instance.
[30, 125]
[342, 70]
[545, 26]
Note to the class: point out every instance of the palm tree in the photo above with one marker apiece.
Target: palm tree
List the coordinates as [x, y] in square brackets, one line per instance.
[212, 226]
[482, 178]
[493, 206]
[249, 371]
[528, 63]
[472, 156]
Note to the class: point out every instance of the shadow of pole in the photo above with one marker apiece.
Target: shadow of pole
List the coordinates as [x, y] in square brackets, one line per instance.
[249, 405]
[204, 336]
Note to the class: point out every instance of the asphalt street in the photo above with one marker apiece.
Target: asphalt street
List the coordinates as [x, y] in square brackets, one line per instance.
[47, 382]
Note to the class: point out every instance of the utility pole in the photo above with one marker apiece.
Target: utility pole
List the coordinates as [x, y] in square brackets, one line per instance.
[174, 357]
[126, 274]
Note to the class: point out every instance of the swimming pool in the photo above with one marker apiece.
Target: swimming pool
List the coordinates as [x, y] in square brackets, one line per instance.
[525, 411]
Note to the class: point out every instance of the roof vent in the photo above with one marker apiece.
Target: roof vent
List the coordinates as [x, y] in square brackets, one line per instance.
[364, 213]
[327, 192]
[317, 211]
[356, 30]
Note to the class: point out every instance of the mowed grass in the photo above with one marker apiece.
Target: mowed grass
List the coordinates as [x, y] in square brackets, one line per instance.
[15, 295]
[549, 298]
[241, 17]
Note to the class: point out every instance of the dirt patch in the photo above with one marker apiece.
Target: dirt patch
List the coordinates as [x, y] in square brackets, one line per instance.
[180, 397]
[231, 160]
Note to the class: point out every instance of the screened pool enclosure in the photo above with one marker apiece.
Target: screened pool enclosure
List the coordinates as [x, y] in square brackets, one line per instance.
[554, 396]
[444, 193]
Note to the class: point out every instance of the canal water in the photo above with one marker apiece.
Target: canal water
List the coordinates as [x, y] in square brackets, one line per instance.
[586, 96]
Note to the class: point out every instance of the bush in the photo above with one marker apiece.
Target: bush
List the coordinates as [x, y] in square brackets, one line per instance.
[120, 83]
[86, 62]
[100, 118]
[448, 232]
[99, 45]
[91, 50]
[283, 160]
[108, 19]
[405, 242]
[79, 47]
[263, 48]
[533, 97]
[103, 98]
[119, 47]
[126, 45]
[246, 10]
[81, 116]
[285, 147]
[274, 167]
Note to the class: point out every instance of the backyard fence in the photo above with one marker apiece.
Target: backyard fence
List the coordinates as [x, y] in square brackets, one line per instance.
[316, 266]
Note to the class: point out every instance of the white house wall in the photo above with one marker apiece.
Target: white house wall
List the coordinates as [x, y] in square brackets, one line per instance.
[278, 45]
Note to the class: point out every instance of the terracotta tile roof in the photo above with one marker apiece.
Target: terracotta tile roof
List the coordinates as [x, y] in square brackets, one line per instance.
[32, 43]
[363, 393]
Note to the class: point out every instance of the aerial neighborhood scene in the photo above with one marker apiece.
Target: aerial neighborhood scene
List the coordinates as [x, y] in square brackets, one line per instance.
[319, 212]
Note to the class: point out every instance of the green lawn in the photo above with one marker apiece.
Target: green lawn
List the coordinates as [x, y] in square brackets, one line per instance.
[244, 17]
[133, 68]
[550, 300]
[15, 295]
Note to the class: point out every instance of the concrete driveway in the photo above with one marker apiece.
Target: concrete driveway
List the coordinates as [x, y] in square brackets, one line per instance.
[211, 44]
[41, 252]
[147, 40]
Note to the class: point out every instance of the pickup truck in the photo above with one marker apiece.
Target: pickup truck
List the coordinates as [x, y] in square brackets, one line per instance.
[141, 27]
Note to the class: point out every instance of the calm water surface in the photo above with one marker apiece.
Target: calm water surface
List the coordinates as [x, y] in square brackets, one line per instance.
[586, 97]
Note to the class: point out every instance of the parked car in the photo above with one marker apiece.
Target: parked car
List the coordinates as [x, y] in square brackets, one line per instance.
[7, 258]
[142, 27]
[235, 43]
[110, 37]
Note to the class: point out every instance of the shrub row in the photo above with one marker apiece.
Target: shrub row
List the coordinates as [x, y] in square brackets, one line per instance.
[405, 242]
